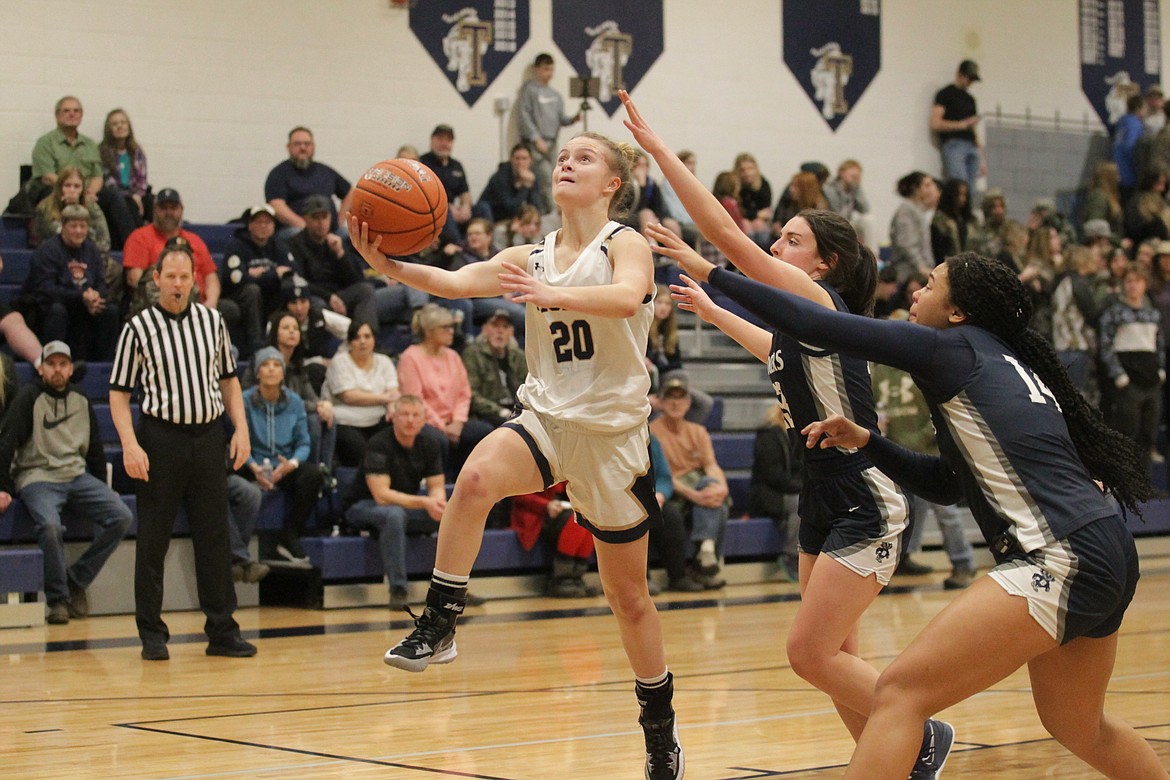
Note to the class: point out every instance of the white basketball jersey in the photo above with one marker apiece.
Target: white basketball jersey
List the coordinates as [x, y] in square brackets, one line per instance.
[585, 369]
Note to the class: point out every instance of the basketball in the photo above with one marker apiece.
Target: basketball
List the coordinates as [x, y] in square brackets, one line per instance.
[404, 204]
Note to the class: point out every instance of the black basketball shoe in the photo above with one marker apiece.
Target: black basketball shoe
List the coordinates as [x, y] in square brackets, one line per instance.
[431, 642]
[664, 755]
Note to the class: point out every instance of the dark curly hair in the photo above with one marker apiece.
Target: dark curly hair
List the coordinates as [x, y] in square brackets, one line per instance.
[991, 296]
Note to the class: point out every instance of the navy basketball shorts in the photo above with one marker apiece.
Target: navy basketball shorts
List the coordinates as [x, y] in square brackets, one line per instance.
[857, 518]
[1079, 585]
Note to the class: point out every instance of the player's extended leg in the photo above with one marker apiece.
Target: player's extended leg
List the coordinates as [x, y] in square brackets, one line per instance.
[822, 643]
[623, 576]
[978, 639]
[501, 465]
[1068, 685]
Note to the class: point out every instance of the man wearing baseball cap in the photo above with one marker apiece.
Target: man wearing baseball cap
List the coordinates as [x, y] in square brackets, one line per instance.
[496, 367]
[146, 243]
[451, 174]
[255, 261]
[954, 116]
[51, 456]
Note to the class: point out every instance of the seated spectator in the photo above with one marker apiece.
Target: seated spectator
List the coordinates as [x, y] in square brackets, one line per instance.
[953, 221]
[68, 190]
[524, 227]
[244, 499]
[397, 303]
[362, 385]
[320, 331]
[1074, 319]
[886, 298]
[8, 383]
[700, 487]
[1043, 260]
[284, 334]
[675, 207]
[649, 206]
[988, 239]
[777, 479]
[496, 367]
[385, 496]
[1103, 198]
[17, 333]
[910, 226]
[664, 357]
[549, 515]
[292, 183]
[512, 185]
[755, 200]
[845, 197]
[726, 191]
[144, 246]
[1134, 358]
[66, 290]
[434, 372]
[1014, 242]
[804, 192]
[51, 456]
[254, 263]
[453, 177]
[279, 433]
[65, 146]
[124, 167]
[1146, 214]
[478, 247]
[329, 269]
[407, 152]
[669, 540]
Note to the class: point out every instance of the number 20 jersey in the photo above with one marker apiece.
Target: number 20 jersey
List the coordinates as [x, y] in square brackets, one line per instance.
[584, 369]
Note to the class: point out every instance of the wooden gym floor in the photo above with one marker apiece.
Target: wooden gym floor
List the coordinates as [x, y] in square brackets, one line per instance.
[540, 690]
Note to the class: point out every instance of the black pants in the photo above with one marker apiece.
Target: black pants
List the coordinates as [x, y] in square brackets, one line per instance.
[186, 468]
[303, 487]
[670, 541]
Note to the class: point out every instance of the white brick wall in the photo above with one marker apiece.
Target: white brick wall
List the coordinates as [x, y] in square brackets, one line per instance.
[213, 86]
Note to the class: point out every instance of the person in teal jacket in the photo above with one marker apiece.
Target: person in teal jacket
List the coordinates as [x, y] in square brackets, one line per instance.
[279, 431]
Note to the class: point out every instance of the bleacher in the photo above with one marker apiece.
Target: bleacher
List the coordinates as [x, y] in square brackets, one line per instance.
[340, 558]
[739, 385]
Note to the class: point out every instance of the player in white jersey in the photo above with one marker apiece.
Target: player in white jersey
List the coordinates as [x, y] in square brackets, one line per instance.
[588, 290]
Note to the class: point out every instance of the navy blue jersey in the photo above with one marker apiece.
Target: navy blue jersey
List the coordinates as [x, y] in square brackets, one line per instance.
[1004, 442]
[812, 383]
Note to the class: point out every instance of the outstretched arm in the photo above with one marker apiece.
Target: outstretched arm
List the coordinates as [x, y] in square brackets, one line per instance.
[475, 280]
[713, 220]
[923, 475]
[903, 345]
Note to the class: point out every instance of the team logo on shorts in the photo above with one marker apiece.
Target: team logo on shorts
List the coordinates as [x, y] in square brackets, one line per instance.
[1042, 581]
[883, 551]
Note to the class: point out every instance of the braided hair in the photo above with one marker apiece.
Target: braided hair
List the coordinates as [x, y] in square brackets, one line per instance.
[991, 296]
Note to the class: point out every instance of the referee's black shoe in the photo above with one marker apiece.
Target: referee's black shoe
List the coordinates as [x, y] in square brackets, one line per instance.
[232, 647]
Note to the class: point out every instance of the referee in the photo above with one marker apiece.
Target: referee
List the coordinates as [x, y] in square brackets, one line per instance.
[179, 353]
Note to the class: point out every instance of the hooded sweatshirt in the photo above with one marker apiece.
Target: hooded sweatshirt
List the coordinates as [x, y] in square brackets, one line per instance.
[49, 436]
[277, 429]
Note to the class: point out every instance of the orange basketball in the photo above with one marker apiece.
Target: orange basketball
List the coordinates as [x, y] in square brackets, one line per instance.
[404, 204]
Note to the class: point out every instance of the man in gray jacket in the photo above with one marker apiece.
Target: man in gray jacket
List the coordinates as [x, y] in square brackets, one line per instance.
[51, 454]
[541, 113]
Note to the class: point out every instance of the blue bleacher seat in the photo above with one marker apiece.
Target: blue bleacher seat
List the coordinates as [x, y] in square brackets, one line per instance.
[13, 234]
[215, 236]
[734, 450]
[16, 265]
[9, 293]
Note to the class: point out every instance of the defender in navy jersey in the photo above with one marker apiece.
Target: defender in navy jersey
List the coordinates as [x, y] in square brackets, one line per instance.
[588, 290]
[1024, 448]
[852, 515]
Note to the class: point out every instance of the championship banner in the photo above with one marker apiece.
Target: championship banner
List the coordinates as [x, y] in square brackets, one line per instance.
[834, 51]
[471, 40]
[1121, 53]
[613, 41]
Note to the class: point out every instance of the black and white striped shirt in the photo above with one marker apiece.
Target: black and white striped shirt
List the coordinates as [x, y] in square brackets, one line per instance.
[178, 360]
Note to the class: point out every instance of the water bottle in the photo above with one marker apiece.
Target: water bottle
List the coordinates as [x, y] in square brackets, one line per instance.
[266, 469]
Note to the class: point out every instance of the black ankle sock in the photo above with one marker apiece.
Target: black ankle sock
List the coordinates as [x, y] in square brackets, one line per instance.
[446, 598]
[656, 700]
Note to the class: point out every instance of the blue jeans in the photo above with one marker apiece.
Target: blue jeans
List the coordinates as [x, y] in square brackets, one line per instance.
[90, 498]
[708, 522]
[392, 524]
[244, 499]
[950, 522]
[396, 303]
[960, 159]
